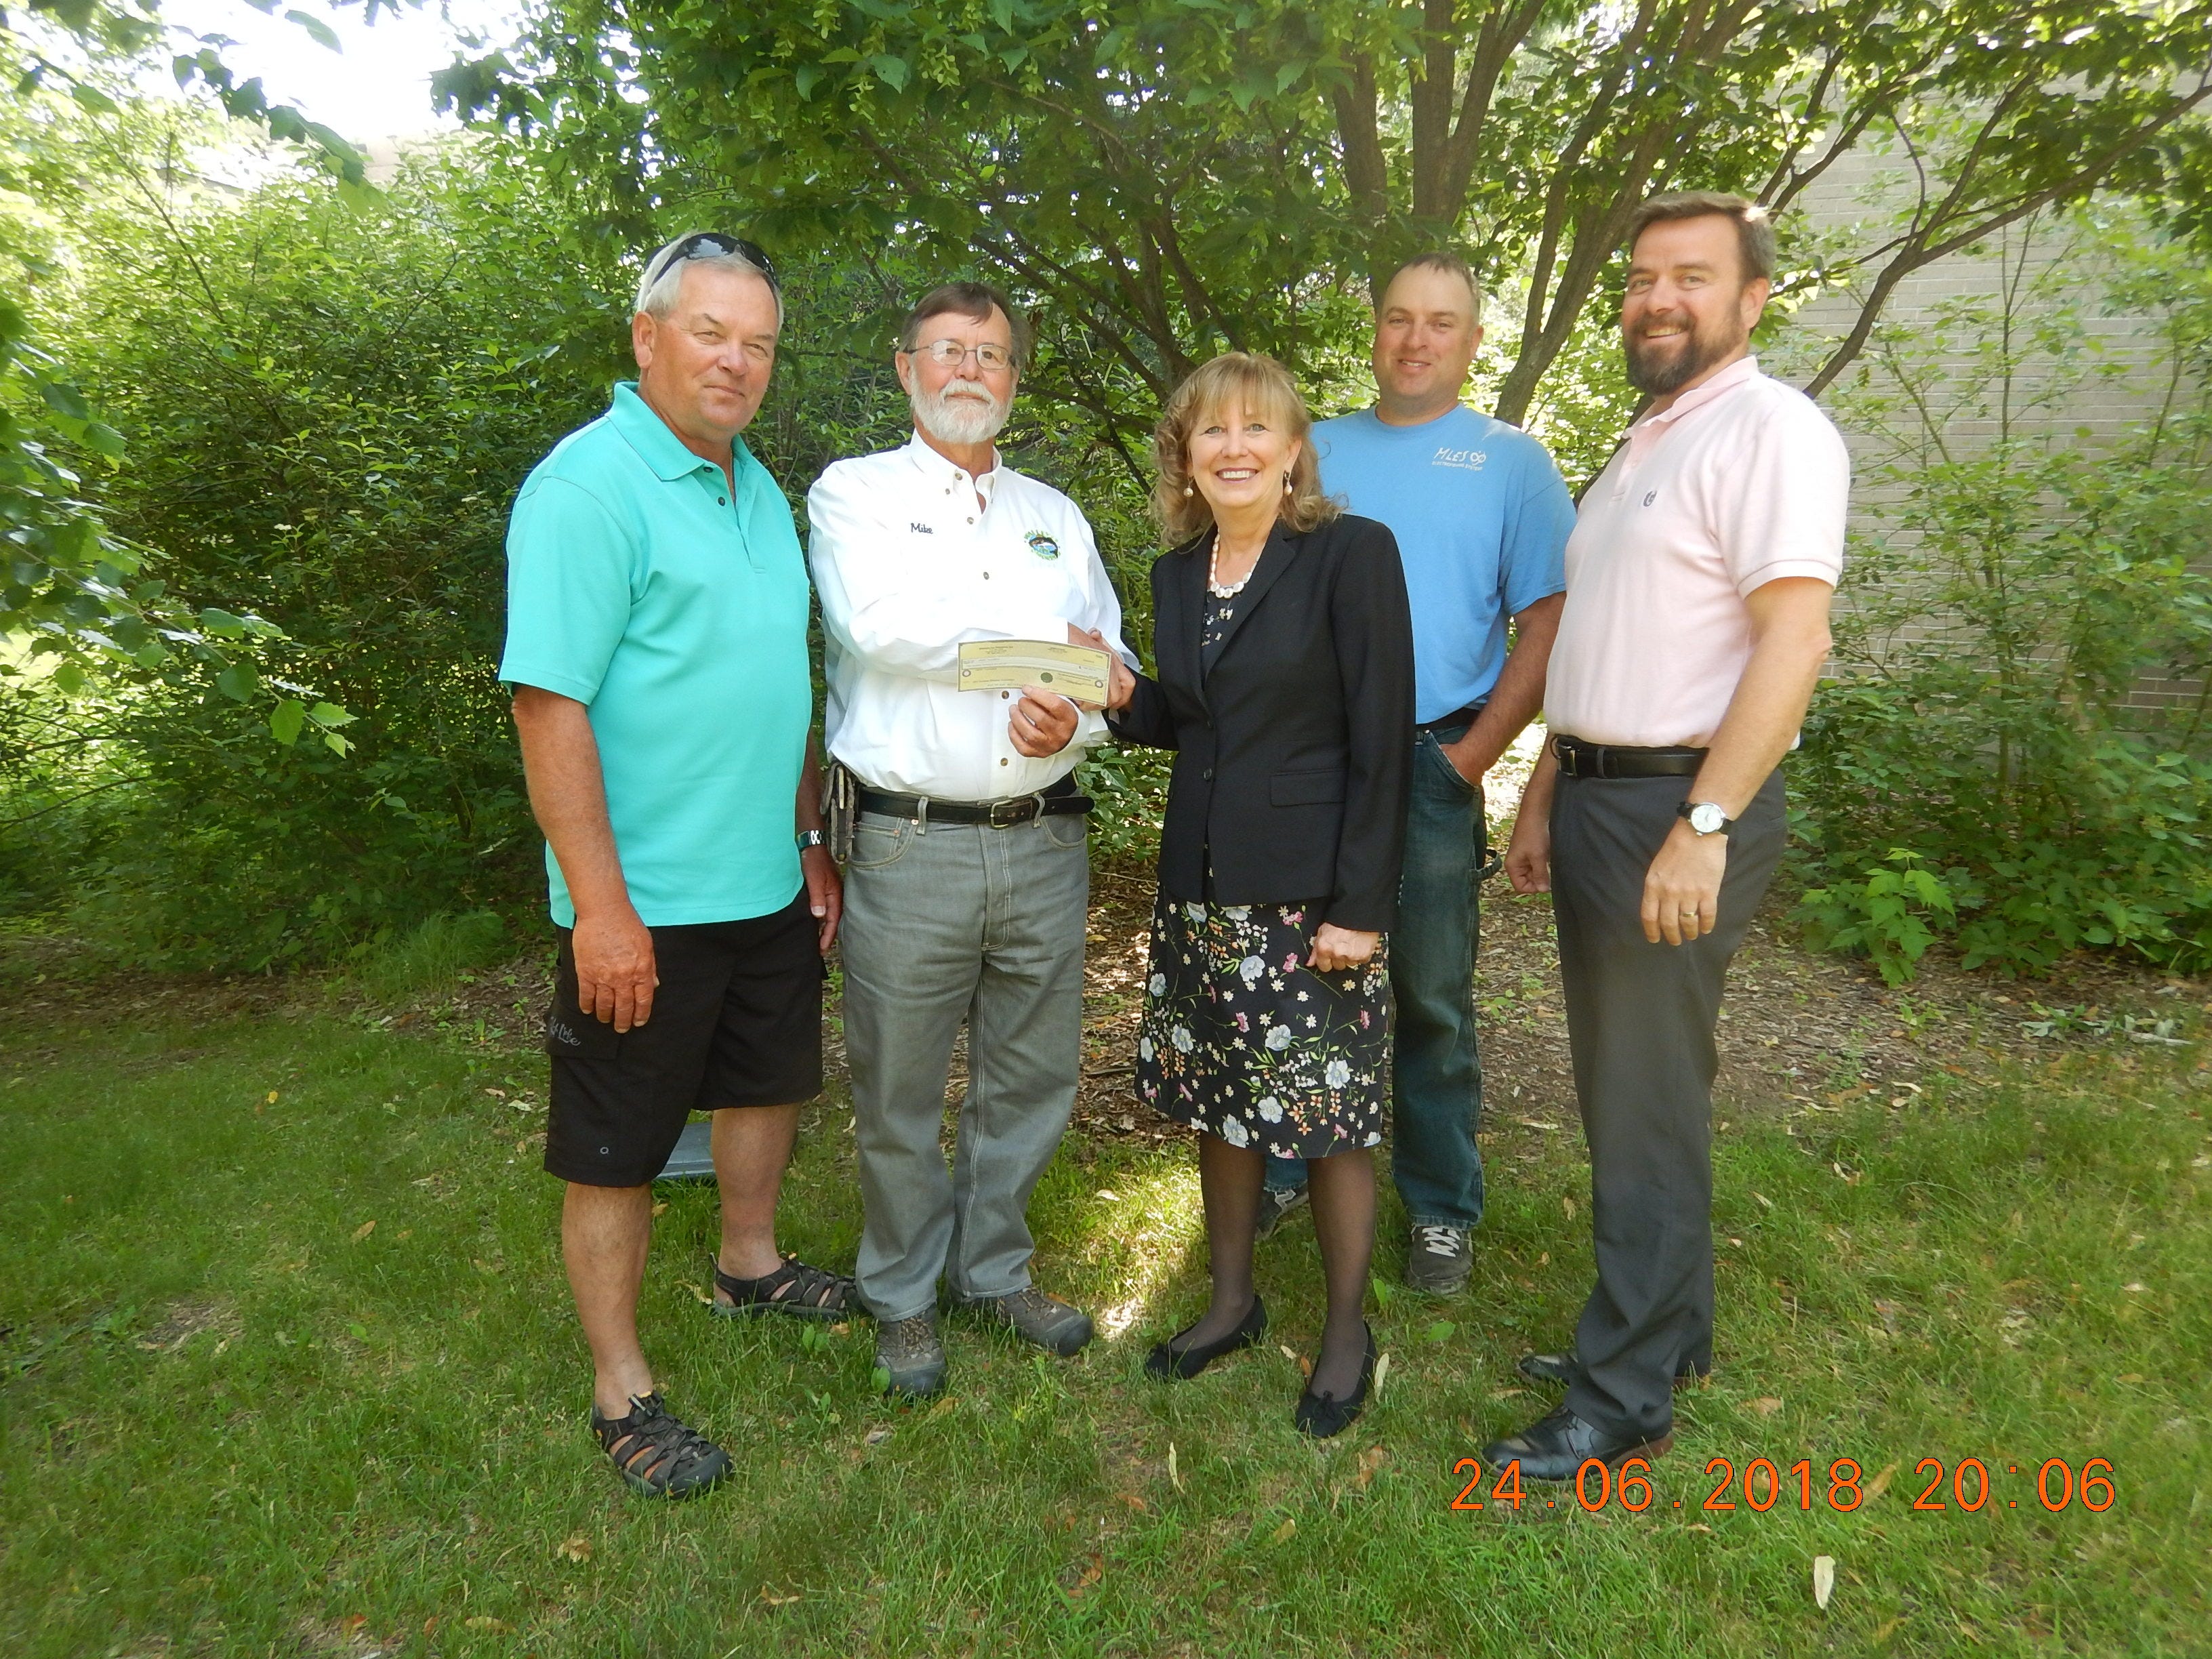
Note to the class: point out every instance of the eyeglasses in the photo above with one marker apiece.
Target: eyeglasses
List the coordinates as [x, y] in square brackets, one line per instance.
[714, 244]
[990, 357]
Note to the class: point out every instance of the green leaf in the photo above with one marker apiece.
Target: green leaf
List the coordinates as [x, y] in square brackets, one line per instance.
[94, 99]
[217, 621]
[329, 715]
[323, 32]
[286, 719]
[64, 399]
[807, 77]
[893, 71]
[69, 679]
[102, 438]
[238, 682]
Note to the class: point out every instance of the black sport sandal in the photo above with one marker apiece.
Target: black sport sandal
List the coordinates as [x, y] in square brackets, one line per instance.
[657, 1454]
[793, 1288]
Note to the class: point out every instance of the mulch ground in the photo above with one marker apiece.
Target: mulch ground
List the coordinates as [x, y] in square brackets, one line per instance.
[1800, 1031]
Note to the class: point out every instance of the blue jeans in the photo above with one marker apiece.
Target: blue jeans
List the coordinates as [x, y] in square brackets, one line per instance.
[1435, 1069]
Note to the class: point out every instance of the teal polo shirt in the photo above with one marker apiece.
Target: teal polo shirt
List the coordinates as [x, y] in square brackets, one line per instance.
[674, 609]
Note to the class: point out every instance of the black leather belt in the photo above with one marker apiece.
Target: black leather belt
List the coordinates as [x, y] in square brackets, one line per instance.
[1578, 759]
[1457, 717]
[1055, 800]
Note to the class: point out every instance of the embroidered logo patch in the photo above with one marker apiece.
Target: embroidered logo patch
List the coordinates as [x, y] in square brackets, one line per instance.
[1467, 460]
[1043, 545]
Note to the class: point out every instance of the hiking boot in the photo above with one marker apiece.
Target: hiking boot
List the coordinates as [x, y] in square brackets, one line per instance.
[1277, 1204]
[1439, 1259]
[909, 1359]
[1031, 1314]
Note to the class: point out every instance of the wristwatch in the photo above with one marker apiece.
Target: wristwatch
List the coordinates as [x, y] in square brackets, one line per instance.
[1705, 818]
[809, 838]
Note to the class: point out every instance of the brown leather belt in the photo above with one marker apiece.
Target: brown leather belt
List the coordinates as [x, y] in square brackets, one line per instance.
[1578, 759]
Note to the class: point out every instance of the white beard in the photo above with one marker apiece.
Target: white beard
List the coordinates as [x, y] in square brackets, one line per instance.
[960, 420]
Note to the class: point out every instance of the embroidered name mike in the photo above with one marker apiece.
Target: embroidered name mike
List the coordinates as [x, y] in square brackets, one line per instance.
[921, 529]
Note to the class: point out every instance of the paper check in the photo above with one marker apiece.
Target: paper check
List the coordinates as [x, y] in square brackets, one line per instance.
[1074, 671]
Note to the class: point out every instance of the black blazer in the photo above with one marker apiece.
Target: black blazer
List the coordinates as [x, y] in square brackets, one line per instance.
[1293, 757]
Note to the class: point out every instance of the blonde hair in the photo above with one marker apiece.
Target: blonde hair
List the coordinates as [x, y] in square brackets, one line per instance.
[1265, 389]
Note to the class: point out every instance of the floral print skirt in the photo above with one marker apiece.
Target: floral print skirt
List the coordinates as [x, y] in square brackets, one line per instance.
[1241, 1039]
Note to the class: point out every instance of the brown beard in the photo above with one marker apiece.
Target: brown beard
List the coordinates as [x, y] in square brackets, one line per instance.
[1700, 353]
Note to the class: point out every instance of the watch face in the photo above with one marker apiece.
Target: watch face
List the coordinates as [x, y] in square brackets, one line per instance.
[1705, 818]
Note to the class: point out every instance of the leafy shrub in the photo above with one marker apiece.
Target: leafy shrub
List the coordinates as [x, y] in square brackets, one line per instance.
[1979, 773]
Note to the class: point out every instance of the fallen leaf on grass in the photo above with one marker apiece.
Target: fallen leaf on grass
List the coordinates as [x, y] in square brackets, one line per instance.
[1823, 1580]
[1764, 1202]
[1370, 1460]
[1289, 1353]
[578, 1548]
[877, 1436]
[1568, 1205]
[1765, 1406]
[1381, 1372]
[1306, 1368]
[706, 1297]
[1282, 1533]
[774, 1600]
[942, 1406]
[1175, 1474]
[485, 1621]
[1110, 1196]
[363, 1230]
[1093, 1570]
[1883, 1632]
[1879, 1484]
[660, 1208]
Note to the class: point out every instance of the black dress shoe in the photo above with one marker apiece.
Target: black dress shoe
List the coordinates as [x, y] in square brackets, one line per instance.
[1323, 1415]
[1555, 1448]
[1169, 1363]
[1561, 1368]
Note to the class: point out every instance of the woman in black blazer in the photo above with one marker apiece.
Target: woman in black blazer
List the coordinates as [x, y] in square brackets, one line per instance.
[1285, 688]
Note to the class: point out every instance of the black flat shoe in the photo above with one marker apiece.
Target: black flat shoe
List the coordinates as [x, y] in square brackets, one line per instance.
[1556, 1447]
[1169, 1363]
[1323, 1415]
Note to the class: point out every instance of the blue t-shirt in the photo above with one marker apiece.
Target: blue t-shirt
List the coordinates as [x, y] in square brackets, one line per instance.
[1482, 518]
[674, 608]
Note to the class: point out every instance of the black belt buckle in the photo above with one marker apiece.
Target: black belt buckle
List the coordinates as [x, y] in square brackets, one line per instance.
[1005, 814]
[1569, 754]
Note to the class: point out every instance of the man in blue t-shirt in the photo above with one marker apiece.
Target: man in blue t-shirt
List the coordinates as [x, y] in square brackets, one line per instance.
[1481, 516]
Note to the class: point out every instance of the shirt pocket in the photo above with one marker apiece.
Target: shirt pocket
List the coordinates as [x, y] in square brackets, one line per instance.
[1313, 788]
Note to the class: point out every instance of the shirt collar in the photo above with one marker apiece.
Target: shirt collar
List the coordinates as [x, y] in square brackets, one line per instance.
[932, 465]
[656, 446]
[1736, 374]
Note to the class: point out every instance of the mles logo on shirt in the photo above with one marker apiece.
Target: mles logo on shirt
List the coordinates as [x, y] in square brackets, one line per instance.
[1467, 460]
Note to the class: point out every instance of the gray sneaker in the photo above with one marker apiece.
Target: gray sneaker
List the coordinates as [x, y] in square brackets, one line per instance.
[1036, 1317]
[1439, 1259]
[909, 1359]
[1277, 1206]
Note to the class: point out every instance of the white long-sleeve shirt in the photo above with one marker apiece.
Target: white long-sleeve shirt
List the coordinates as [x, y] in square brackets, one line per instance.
[909, 567]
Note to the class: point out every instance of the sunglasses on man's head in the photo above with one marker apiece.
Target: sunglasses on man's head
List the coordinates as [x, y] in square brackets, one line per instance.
[713, 245]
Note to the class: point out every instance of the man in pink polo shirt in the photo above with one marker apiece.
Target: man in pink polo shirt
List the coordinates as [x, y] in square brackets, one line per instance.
[1698, 578]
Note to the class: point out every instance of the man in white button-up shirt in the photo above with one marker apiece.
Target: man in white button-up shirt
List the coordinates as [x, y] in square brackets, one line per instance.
[968, 887]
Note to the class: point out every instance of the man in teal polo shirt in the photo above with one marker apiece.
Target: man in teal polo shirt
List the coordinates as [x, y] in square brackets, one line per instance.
[656, 608]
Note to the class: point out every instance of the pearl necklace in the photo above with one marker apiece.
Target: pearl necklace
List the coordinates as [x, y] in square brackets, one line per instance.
[1213, 568]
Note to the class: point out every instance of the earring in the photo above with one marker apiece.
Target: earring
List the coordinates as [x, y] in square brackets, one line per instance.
[1188, 492]
[1286, 483]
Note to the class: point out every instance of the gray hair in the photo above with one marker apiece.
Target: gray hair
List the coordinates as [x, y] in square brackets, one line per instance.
[656, 295]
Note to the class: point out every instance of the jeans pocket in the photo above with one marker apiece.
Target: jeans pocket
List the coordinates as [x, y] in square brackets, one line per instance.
[1435, 751]
[878, 841]
[1065, 829]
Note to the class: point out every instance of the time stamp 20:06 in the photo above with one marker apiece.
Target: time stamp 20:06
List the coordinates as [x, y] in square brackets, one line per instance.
[1765, 1485]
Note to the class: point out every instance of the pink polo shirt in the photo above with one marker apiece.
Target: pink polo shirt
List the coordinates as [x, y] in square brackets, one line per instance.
[1742, 480]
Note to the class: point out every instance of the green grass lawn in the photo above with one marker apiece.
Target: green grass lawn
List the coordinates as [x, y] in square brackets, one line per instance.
[288, 1369]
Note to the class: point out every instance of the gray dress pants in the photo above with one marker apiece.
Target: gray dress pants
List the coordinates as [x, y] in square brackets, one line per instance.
[1640, 1019]
[963, 921]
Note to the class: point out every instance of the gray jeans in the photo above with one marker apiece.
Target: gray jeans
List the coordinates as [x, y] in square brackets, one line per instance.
[987, 925]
